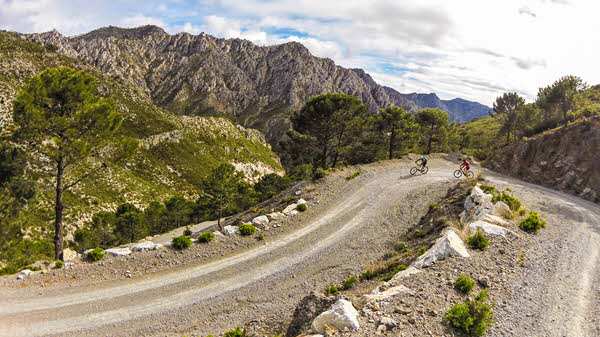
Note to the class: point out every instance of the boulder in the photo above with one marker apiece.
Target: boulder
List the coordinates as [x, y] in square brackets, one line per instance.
[298, 192]
[231, 230]
[25, 272]
[145, 245]
[301, 201]
[118, 251]
[491, 229]
[477, 205]
[496, 220]
[85, 252]
[289, 209]
[341, 315]
[388, 322]
[69, 254]
[260, 220]
[275, 216]
[310, 306]
[218, 234]
[404, 274]
[449, 245]
[20, 277]
[377, 295]
[501, 209]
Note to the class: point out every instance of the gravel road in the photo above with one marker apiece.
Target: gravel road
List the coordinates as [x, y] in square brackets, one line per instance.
[259, 287]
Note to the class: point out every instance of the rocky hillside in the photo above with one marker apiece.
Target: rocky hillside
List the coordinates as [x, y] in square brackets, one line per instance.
[460, 110]
[204, 75]
[566, 158]
[175, 151]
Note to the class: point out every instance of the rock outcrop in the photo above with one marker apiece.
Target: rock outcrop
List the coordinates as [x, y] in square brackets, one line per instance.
[341, 316]
[566, 159]
[309, 307]
[449, 245]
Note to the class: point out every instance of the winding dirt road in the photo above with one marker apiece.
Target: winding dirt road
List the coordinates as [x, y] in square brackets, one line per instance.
[263, 284]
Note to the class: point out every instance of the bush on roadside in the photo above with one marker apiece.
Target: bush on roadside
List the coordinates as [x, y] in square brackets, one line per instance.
[187, 231]
[471, 317]
[349, 283]
[8, 270]
[319, 174]
[478, 241]
[59, 264]
[247, 229]
[206, 237]
[464, 284]
[488, 189]
[302, 207]
[353, 175]
[181, 242]
[331, 290]
[260, 237]
[237, 332]
[532, 223]
[513, 203]
[95, 255]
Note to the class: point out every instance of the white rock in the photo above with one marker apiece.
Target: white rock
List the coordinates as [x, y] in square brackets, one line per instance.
[496, 220]
[448, 245]
[341, 315]
[289, 209]
[231, 230]
[260, 220]
[85, 252]
[118, 251]
[294, 213]
[25, 272]
[377, 295]
[301, 201]
[275, 216]
[491, 229]
[20, 277]
[69, 254]
[146, 245]
[298, 192]
[218, 234]
[404, 274]
[501, 209]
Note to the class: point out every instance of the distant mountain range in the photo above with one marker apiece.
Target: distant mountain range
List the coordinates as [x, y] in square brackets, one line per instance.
[256, 86]
[460, 110]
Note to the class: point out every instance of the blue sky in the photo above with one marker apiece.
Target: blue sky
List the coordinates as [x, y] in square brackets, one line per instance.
[474, 49]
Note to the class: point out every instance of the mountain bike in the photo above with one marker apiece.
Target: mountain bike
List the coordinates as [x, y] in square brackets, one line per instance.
[420, 168]
[467, 173]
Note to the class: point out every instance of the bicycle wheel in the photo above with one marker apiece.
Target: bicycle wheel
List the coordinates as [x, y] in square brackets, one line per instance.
[413, 171]
[470, 174]
[457, 173]
[424, 169]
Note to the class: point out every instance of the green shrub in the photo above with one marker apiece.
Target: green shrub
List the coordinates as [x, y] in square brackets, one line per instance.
[8, 270]
[419, 233]
[59, 264]
[422, 250]
[478, 241]
[95, 255]
[302, 207]
[187, 231]
[260, 237]
[532, 223]
[471, 317]
[401, 247]
[331, 290]
[247, 229]
[181, 242]
[349, 283]
[32, 268]
[488, 189]
[353, 175]
[464, 284]
[237, 332]
[432, 206]
[522, 211]
[367, 275]
[206, 237]
[319, 174]
[511, 201]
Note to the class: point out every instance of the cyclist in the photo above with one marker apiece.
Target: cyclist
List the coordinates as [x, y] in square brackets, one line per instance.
[423, 161]
[465, 164]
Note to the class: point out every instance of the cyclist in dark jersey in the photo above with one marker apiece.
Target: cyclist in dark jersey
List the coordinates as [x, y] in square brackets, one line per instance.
[423, 161]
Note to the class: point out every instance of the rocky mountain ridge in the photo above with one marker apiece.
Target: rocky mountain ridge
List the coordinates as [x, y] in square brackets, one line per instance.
[460, 110]
[257, 86]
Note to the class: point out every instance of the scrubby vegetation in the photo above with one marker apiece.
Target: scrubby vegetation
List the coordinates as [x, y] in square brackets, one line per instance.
[59, 264]
[533, 223]
[478, 241]
[302, 207]
[237, 332]
[353, 175]
[513, 203]
[187, 231]
[206, 237]
[331, 290]
[8, 270]
[181, 242]
[472, 317]
[95, 254]
[464, 284]
[247, 229]
[349, 282]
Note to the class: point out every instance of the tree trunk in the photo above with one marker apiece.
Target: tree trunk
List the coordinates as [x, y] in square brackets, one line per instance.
[392, 139]
[335, 159]
[324, 159]
[219, 219]
[58, 223]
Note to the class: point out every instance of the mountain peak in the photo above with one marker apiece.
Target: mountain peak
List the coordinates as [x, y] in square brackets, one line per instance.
[124, 33]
